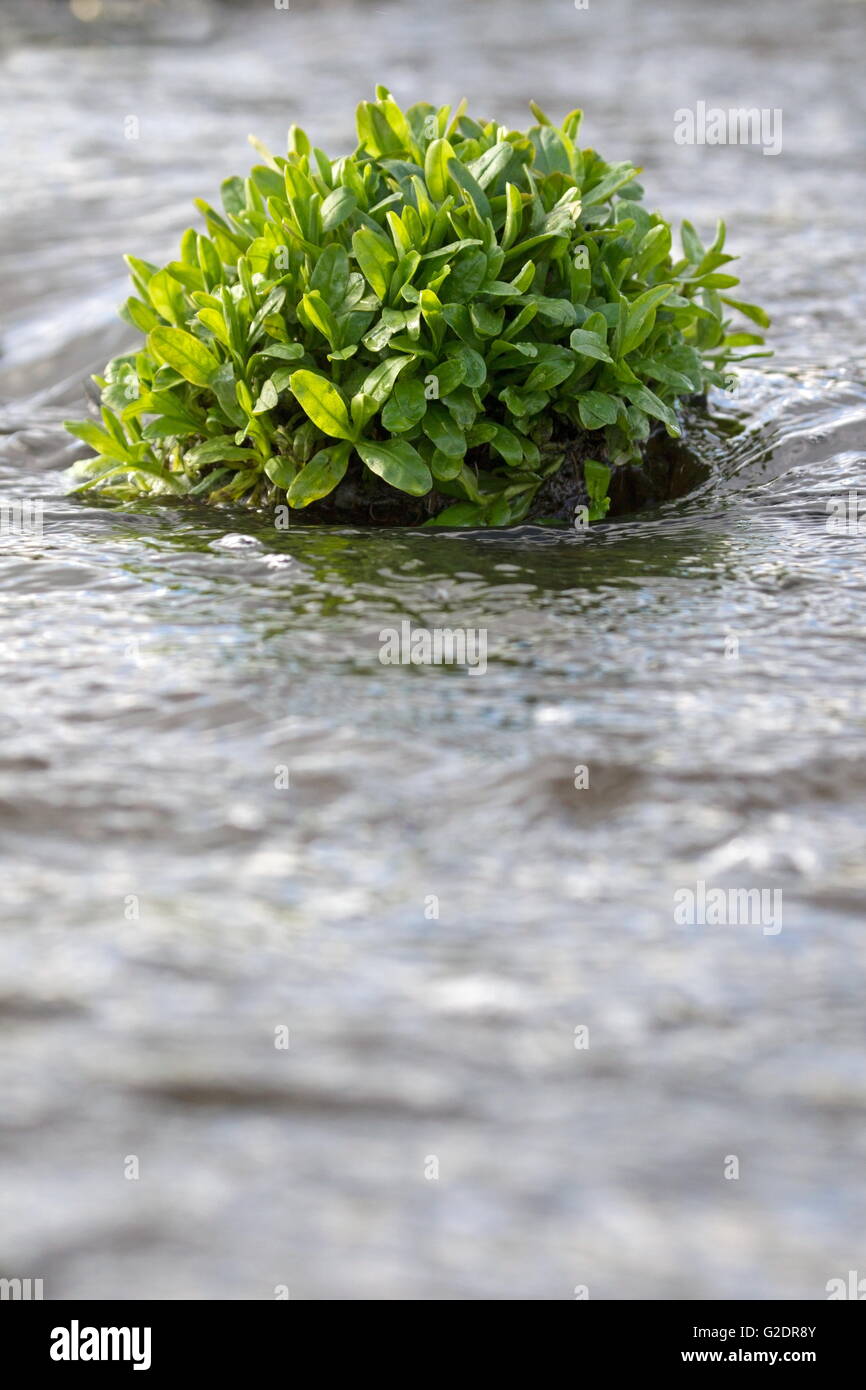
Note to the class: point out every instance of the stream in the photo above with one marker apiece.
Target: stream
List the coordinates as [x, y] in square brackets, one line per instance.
[300, 952]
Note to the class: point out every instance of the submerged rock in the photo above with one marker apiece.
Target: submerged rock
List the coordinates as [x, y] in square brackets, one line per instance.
[668, 470]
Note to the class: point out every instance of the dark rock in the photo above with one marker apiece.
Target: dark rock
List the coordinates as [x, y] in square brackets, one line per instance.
[668, 471]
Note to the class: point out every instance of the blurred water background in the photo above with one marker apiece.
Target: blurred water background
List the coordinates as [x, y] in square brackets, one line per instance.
[166, 907]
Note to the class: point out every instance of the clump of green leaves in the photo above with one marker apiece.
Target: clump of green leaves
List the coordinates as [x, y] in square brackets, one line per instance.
[442, 308]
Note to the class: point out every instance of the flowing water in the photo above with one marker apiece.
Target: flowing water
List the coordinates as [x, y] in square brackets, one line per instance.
[432, 907]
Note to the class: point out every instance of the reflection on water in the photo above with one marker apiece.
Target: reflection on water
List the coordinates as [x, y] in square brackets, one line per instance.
[432, 906]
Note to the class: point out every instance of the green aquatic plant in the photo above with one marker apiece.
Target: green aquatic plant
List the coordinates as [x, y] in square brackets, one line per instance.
[446, 309]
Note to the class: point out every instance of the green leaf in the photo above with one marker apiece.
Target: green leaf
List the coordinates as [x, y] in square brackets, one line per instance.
[268, 398]
[186, 354]
[166, 427]
[375, 258]
[320, 476]
[715, 281]
[464, 180]
[596, 409]
[289, 352]
[553, 151]
[405, 408]
[641, 316]
[281, 471]
[449, 375]
[539, 114]
[461, 514]
[222, 449]
[209, 481]
[140, 271]
[659, 370]
[323, 403]
[441, 430]
[148, 470]
[492, 163]
[379, 383]
[751, 311]
[560, 312]
[375, 131]
[208, 259]
[596, 476]
[233, 195]
[320, 315]
[692, 247]
[617, 177]
[224, 387]
[467, 275]
[589, 344]
[439, 152]
[444, 252]
[337, 208]
[486, 322]
[647, 400]
[91, 433]
[139, 315]
[463, 405]
[653, 248]
[443, 468]
[514, 216]
[214, 321]
[331, 275]
[362, 409]
[167, 296]
[546, 375]
[523, 403]
[506, 443]
[524, 278]
[398, 463]
[473, 364]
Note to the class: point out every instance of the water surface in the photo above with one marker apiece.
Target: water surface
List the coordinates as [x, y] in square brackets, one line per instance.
[167, 905]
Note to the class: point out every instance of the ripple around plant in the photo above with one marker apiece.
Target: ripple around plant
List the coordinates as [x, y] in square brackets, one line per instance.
[154, 680]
